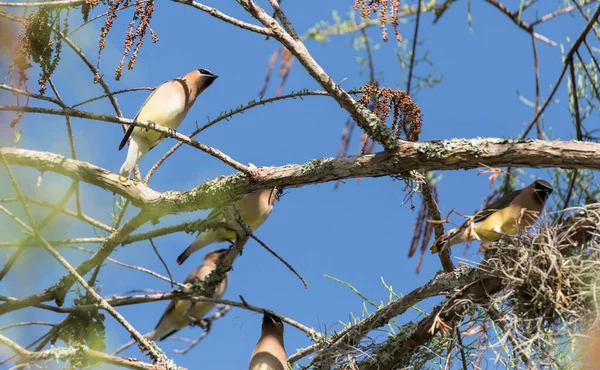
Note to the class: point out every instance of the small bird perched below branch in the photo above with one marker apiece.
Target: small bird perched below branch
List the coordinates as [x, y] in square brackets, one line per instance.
[182, 313]
[167, 106]
[254, 208]
[269, 353]
[507, 215]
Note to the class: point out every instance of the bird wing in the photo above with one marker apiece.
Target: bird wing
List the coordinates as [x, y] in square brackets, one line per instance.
[198, 274]
[496, 205]
[132, 126]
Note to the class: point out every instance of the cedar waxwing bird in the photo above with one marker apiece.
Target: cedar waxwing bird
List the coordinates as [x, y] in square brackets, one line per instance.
[507, 215]
[269, 353]
[174, 318]
[254, 208]
[167, 106]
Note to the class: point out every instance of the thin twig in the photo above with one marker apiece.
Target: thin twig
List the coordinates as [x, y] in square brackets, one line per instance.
[522, 24]
[366, 119]
[133, 267]
[113, 94]
[71, 145]
[575, 102]
[21, 248]
[162, 261]
[28, 94]
[586, 18]
[68, 353]
[562, 11]
[148, 347]
[414, 48]
[567, 62]
[28, 323]
[224, 17]
[52, 3]
[149, 125]
[222, 311]
[278, 257]
[589, 76]
[461, 348]
[537, 87]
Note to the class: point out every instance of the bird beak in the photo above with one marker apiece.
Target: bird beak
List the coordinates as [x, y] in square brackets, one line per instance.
[269, 316]
[208, 80]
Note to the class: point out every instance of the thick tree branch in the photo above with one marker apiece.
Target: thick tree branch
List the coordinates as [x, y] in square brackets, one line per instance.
[436, 155]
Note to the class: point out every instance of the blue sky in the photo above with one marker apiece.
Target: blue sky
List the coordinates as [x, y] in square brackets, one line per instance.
[359, 233]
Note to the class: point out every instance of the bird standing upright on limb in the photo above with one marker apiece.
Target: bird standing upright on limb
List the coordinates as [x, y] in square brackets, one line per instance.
[167, 106]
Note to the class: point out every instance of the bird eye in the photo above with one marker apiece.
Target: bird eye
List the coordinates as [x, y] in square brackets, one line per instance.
[205, 72]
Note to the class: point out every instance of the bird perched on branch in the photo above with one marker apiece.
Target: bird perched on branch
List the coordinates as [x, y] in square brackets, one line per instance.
[167, 106]
[174, 318]
[507, 215]
[254, 208]
[269, 353]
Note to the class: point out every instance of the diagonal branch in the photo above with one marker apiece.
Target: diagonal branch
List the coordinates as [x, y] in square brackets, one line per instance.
[522, 24]
[352, 335]
[365, 119]
[567, 62]
[224, 17]
[397, 354]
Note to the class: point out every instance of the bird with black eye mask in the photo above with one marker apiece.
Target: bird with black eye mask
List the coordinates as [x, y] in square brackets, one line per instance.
[269, 353]
[510, 214]
[167, 106]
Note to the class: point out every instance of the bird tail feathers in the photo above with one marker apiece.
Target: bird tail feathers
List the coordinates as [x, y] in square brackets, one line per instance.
[161, 332]
[203, 239]
[138, 147]
[445, 241]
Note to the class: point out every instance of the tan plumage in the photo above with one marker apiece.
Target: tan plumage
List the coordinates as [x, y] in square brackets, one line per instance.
[167, 106]
[507, 215]
[269, 353]
[254, 208]
[173, 318]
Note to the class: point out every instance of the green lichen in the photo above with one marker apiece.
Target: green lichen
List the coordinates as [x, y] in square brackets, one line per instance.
[463, 271]
[386, 351]
[314, 164]
[446, 148]
[58, 353]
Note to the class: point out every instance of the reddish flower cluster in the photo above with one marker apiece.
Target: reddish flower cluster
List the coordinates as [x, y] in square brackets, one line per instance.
[407, 115]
